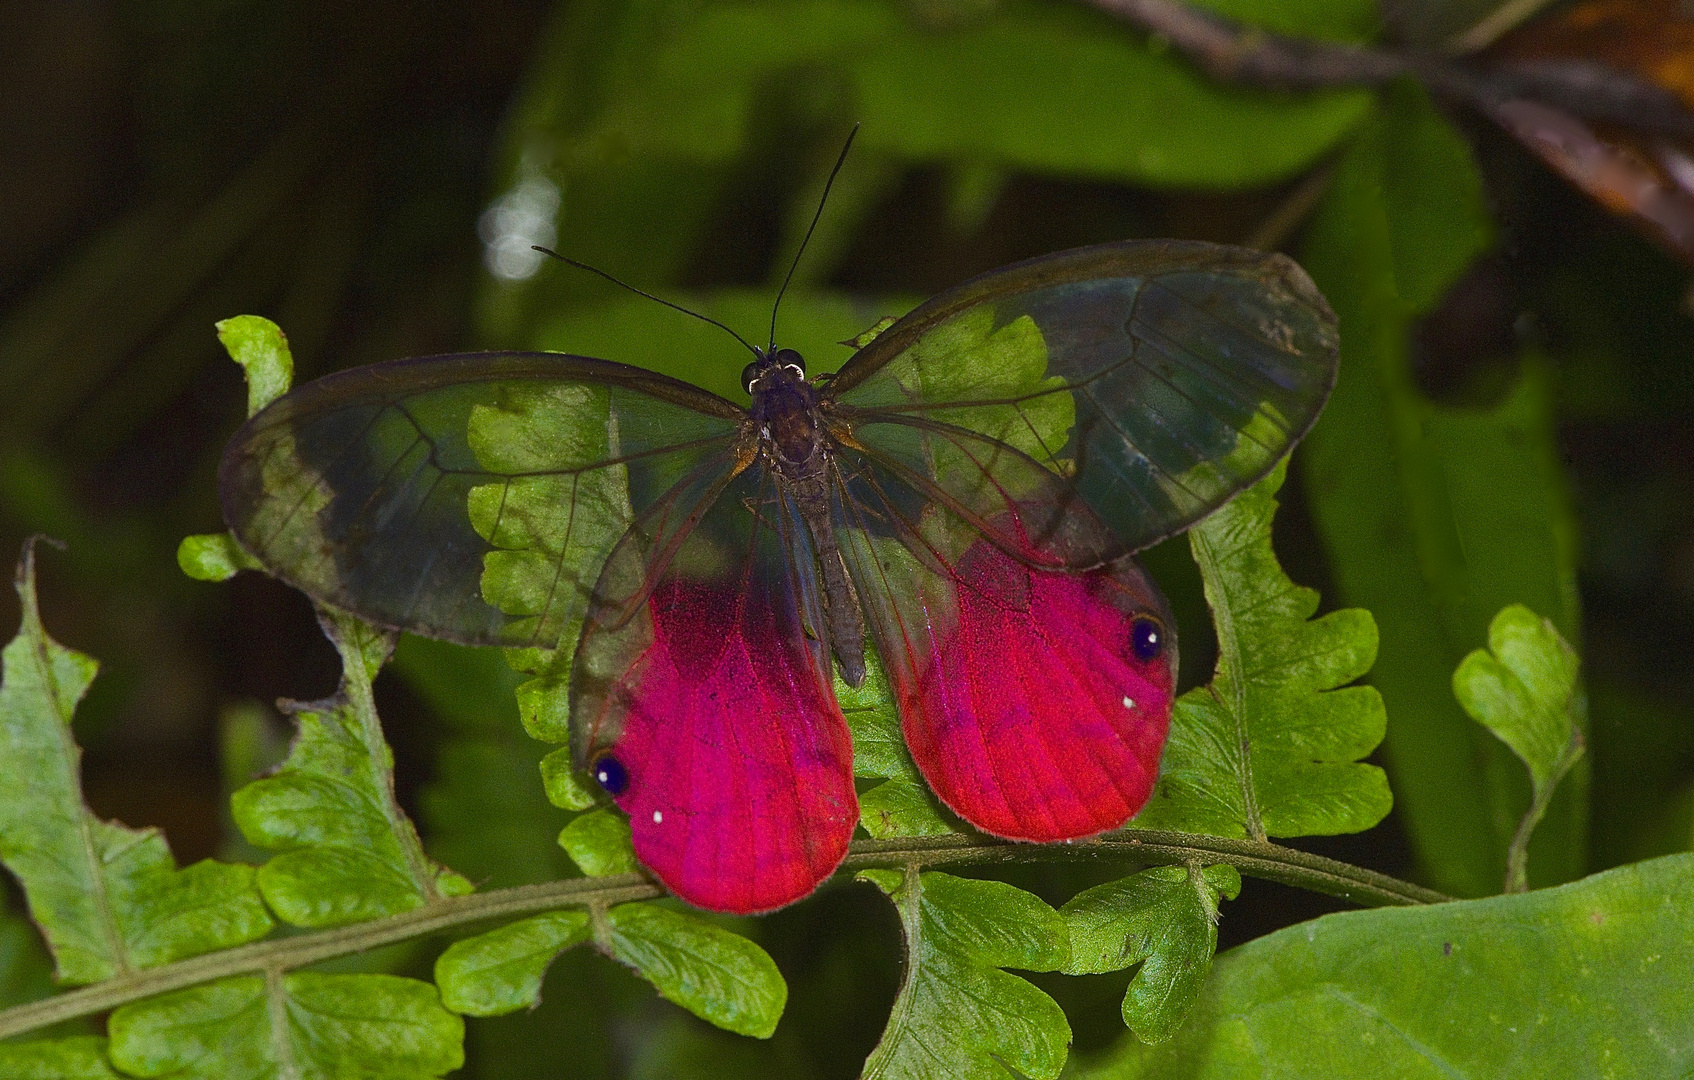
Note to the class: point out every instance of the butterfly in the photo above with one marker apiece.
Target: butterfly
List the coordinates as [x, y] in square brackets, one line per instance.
[956, 506]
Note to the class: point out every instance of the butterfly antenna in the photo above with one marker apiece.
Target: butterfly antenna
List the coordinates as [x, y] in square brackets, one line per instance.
[641, 292]
[839, 161]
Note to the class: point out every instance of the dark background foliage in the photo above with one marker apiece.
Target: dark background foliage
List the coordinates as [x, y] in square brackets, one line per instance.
[166, 164]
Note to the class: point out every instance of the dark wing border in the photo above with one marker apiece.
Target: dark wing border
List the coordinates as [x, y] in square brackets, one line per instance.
[1123, 258]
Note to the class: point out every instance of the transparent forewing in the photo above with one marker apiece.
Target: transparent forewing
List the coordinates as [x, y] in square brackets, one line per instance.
[1158, 378]
[700, 696]
[469, 497]
[1035, 702]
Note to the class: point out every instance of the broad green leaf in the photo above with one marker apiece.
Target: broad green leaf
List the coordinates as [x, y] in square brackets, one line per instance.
[958, 1016]
[1166, 920]
[302, 1025]
[261, 348]
[80, 1057]
[598, 842]
[1588, 979]
[1434, 518]
[109, 899]
[347, 851]
[213, 557]
[1271, 747]
[501, 971]
[903, 805]
[1527, 693]
[718, 976]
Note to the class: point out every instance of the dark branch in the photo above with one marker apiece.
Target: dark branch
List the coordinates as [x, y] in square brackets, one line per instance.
[1235, 54]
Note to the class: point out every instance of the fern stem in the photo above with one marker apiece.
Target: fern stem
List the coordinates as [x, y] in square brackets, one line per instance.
[1252, 857]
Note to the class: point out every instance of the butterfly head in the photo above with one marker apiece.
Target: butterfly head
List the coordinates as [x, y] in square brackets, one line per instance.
[775, 365]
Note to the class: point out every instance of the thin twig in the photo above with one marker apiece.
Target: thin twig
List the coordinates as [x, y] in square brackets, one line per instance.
[1268, 861]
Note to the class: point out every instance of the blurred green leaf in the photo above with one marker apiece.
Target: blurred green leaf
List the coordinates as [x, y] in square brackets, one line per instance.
[1437, 208]
[1166, 920]
[1270, 747]
[1643, 794]
[304, 1024]
[903, 805]
[598, 842]
[958, 1016]
[261, 348]
[718, 976]
[484, 811]
[1434, 518]
[348, 851]
[1526, 693]
[638, 331]
[679, 1047]
[80, 1057]
[1588, 979]
[213, 557]
[26, 971]
[109, 899]
[981, 90]
[501, 971]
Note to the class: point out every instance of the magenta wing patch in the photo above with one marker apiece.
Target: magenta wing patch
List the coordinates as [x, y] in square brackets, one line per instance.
[734, 762]
[1040, 710]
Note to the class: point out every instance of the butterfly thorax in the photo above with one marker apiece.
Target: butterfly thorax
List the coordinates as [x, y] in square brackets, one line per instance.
[785, 408]
[793, 445]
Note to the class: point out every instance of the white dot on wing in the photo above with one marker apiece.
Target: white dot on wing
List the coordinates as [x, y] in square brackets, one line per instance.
[1129, 703]
[658, 816]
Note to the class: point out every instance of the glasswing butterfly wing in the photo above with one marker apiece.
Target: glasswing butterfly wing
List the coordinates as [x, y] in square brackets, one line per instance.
[964, 493]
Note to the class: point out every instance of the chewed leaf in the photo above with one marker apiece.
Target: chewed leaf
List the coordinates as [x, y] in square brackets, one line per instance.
[958, 1016]
[1164, 919]
[261, 348]
[718, 976]
[109, 899]
[1526, 692]
[904, 805]
[598, 842]
[501, 971]
[348, 852]
[81, 1057]
[305, 1024]
[1271, 748]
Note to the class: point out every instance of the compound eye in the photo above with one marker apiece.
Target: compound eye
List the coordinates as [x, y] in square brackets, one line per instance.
[747, 374]
[790, 358]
